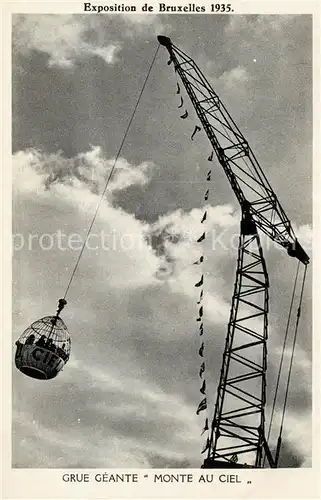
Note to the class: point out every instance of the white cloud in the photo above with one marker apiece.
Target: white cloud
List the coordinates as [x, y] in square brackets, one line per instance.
[66, 38]
[119, 272]
[25, 175]
[108, 54]
[36, 170]
[131, 259]
[63, 38]
[235, 78]
[144, 25]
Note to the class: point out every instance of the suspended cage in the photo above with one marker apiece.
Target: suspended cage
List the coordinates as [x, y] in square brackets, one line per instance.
[44, 348]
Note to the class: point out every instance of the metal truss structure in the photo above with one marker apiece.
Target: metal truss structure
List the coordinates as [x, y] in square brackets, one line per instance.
[238, 426]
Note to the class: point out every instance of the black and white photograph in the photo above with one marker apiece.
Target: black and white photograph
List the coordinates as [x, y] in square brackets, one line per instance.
[162, 192]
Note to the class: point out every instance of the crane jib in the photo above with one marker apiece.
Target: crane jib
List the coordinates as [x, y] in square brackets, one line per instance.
[250, 185]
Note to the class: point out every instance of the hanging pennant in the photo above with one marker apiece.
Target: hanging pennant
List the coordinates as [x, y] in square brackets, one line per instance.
[201, 350]
[199, 261]
[178, 89]
[206, 195]
[201, 297]
[203, 388]
[202, 406]
[200, 314]
[201, 238]
[200, 283]
[210, 158]
[169, 62]
[202, 370]
[209, 176]
[182, 102]
[207, 445]
[196, 129]
[185, 115]
[205, 427]
[204, 217]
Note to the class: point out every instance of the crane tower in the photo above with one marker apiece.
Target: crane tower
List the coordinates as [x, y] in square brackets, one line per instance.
[238, 425]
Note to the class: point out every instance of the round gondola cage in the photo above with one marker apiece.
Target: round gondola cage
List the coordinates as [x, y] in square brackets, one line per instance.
[44, 348]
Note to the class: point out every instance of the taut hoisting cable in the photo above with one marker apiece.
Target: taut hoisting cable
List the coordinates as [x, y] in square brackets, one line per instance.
[293, 348]
[111, 172]
[291, 360]
[283, 353]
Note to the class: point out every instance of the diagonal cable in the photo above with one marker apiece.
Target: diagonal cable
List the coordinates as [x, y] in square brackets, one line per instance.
[111, 173]
[282, 357]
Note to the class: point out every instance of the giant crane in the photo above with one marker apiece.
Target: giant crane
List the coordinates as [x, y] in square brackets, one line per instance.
[238, 425]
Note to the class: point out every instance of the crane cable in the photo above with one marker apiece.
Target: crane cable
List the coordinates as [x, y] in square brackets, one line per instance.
[111, 172]
[293, 347]
[283, 354]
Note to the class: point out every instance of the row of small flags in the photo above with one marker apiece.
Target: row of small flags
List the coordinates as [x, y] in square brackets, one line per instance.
[203, 403]
[185, 115]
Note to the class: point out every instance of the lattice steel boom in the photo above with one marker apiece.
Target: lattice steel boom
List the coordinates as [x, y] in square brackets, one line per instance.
[242, 169]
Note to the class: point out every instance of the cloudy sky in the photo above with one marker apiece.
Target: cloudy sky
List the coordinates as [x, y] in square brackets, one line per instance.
[128, 396]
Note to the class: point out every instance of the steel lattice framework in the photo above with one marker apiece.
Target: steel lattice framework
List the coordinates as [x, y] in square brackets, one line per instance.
[238, 424]
[232, 150]
[239, 414]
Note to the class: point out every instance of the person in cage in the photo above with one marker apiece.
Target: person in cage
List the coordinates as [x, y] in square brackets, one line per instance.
[30, 340]
[62, 353]
[50, 345]
[19, 348]
[42, 341]
[46, 334]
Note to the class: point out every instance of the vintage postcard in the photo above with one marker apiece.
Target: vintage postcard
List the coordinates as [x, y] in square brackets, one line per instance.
[160, 289]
